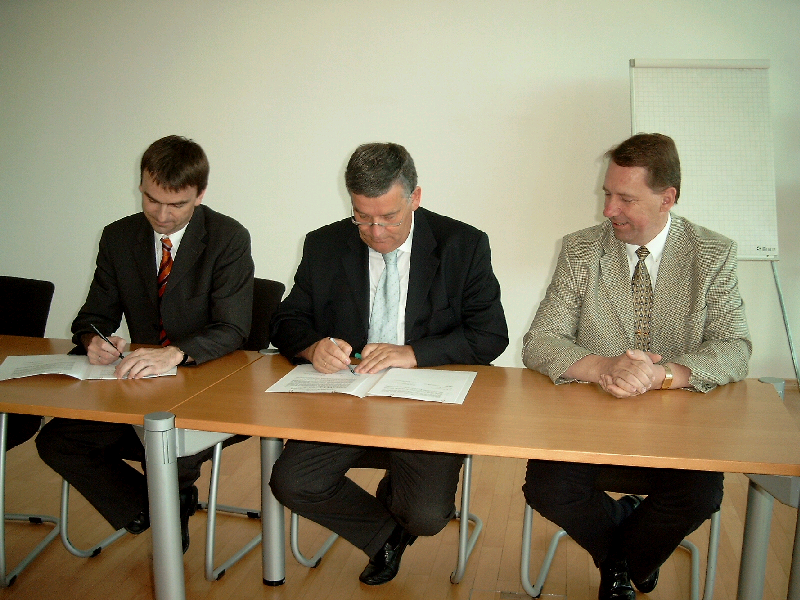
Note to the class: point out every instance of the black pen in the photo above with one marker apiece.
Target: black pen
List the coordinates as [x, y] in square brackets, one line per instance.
[105, 338]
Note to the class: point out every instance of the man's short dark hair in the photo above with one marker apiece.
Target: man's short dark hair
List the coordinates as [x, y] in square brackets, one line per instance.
[655, 152]
[176, 163]
[374, 168]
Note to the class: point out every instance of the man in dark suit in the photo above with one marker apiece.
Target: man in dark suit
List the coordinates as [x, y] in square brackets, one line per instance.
[182, 275]
[446, 310]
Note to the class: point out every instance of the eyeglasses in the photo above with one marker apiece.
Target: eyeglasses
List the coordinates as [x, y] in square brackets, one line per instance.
[367, 224]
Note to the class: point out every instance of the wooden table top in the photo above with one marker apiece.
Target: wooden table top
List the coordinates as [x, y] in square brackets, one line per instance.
[124, 401]
[515, 412]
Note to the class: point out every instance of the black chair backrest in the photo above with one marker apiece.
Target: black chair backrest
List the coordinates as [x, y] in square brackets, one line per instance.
[24, 306]
[267, 295]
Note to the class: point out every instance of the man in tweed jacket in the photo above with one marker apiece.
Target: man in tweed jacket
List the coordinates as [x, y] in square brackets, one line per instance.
[585, 330]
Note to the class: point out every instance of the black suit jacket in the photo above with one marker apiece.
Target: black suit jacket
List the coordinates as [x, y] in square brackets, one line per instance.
[453, 309]
[208, 302]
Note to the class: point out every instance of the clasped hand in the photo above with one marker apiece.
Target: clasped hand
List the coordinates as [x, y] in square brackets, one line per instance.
[139, 363]
[329, 356]
[629, 374]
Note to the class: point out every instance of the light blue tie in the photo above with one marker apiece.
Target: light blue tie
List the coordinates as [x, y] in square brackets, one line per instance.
[383, 321]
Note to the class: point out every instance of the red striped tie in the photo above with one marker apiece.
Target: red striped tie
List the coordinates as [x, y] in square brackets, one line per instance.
[163, 275]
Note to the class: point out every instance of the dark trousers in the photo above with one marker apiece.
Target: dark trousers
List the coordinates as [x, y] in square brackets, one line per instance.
[91, 456]
[573, 496]
[21, 428]
[417, 493]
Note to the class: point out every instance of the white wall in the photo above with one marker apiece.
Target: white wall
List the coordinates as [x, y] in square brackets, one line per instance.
[506, 106]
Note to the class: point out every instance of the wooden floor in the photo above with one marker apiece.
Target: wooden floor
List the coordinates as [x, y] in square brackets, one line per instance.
[123, 571]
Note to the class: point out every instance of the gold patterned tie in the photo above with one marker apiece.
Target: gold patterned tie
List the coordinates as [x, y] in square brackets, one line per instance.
[642, 301]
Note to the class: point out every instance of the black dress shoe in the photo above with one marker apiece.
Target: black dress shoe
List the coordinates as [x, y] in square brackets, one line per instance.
[139, 524]
[615, 584]
[384, 566]
[188, 508]
[648, 584]
[631, 502]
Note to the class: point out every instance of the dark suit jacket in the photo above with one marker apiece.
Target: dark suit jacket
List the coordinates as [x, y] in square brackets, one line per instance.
[208, 302]
[453, 309]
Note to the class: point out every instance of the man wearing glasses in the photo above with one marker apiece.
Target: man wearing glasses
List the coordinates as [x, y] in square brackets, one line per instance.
[402, 287]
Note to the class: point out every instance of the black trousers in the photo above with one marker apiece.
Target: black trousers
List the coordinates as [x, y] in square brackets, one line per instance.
[21, 428]
[91, 456]
[417, 493]
[573, 496]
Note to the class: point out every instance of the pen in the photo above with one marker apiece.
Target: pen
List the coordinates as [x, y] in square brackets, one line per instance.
[352, 370]
[105, 339]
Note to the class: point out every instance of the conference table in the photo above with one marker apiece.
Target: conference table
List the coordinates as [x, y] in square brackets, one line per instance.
[133, 402]
[510, 412]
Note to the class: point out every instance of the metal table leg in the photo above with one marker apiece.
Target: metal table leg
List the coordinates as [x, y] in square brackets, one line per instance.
[273, 557]
[160, 442]
[794, 575]
[753, 565]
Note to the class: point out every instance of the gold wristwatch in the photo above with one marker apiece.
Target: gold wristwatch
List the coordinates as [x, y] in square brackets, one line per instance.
[667, 383]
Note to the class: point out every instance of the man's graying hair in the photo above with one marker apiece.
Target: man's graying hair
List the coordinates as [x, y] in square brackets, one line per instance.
[374, 168]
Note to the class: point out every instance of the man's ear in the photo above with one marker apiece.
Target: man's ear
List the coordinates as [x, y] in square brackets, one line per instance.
[668, 199]
[416, 196]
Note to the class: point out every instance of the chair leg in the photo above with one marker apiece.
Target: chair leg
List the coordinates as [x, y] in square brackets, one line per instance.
[534, 591]
[711, 561]
[466, 542]
[211, 573]
[8, 578]
[94, 550]
[294, 535]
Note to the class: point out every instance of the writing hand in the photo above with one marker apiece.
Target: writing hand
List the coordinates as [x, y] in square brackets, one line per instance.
[328, 355]
[100, 352]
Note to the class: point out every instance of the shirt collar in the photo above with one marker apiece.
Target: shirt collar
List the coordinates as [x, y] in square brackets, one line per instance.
[654, 246]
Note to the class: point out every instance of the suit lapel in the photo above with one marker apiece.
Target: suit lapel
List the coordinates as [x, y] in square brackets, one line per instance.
[192, 246]
[144, 257]
[615, 279]
[675, 267]
[355, 262]
[423, 267]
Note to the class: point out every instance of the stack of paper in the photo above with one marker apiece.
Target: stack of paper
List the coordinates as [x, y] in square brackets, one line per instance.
[14, 367]
[431, 385]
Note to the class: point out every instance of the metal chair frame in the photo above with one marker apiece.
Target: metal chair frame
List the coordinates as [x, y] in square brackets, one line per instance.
[7, 578]
[214, 573]
[536, 590]
[266, 297]
[74, 550]
[30, 298]
[466, 541]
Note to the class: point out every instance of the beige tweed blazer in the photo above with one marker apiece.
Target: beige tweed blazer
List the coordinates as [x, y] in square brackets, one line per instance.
[698, 315]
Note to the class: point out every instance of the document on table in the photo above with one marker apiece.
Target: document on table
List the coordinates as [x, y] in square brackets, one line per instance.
[14, 367]
[431, 385]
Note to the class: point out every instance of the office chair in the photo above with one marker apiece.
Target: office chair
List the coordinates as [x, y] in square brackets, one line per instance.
[267, 295]
[24, 308]
[377, 458]
[536, 590]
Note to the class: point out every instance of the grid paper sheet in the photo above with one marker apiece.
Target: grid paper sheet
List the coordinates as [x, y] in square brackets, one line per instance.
[720, 121]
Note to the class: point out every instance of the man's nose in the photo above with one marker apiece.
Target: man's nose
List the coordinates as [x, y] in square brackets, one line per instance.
[611, 207]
